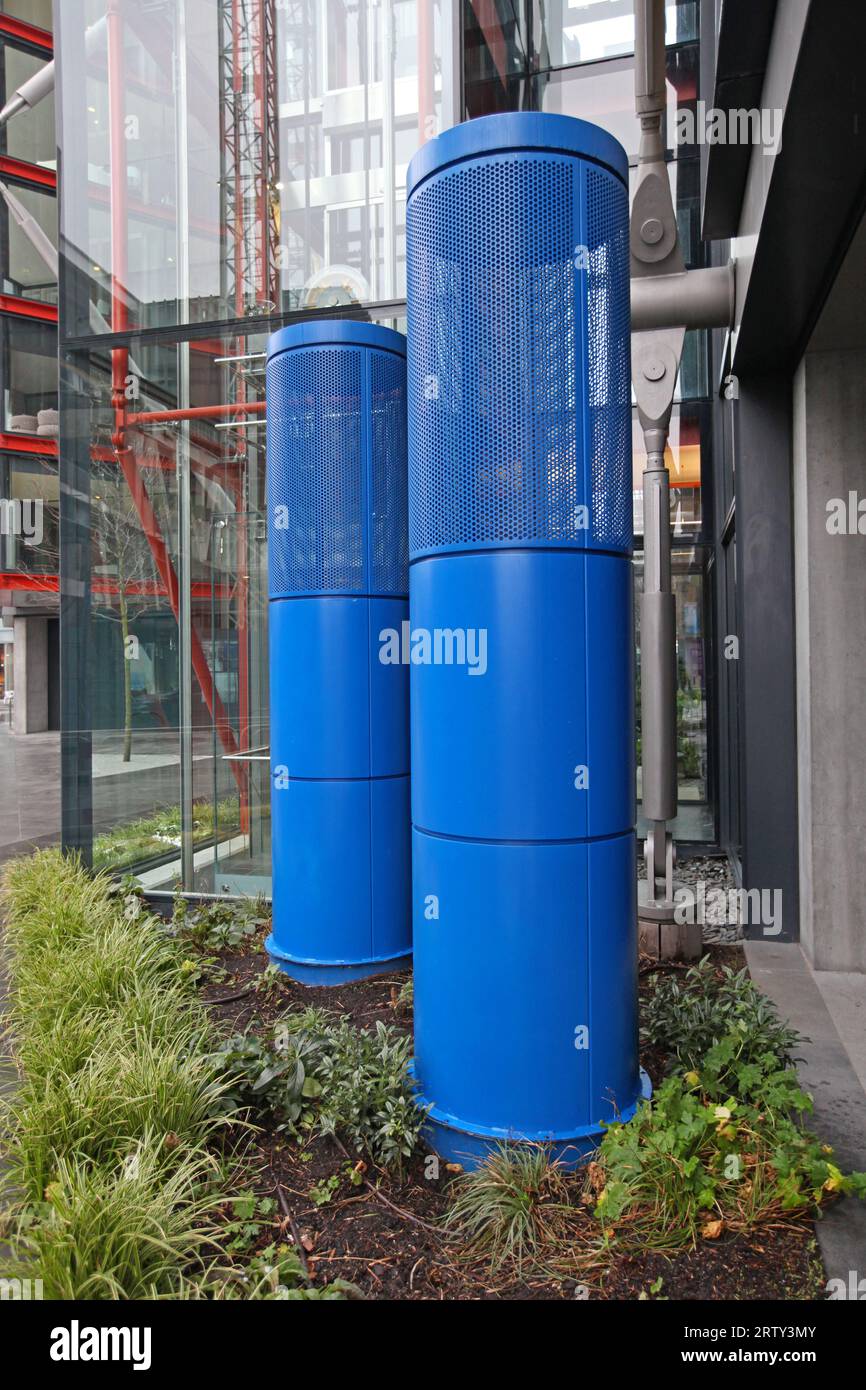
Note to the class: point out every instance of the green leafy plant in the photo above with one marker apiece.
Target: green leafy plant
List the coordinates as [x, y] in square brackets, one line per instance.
[689, 1015]
[323, 1192]
[275, 1274]
[345, 1081]
[404, 1000]
[221, 926]
[718, 1149]
[269, 981]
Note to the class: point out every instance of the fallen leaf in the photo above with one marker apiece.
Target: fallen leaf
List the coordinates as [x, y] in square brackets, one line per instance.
[711, 1230]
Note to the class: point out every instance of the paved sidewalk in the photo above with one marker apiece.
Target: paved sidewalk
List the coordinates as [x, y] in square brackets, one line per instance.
[829, 1074]
[30, 797]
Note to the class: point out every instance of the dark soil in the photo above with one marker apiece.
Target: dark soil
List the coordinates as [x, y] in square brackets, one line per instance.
[384, 1234]
[773, 1262]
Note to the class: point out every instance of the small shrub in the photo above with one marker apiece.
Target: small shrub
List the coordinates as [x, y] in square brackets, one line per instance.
[220, 926]
[343, 1080]
[717, 1149]
[686, 1017]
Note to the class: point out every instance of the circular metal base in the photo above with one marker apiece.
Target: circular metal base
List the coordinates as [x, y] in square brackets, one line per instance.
[650, 911]
[334, 972]
[452, 1141]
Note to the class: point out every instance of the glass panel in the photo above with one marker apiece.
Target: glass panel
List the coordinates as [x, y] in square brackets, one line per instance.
[255, 154]
[30, 136]
[584, 31]
[495, 58]
[239, 659]
[201, 402]
[36, 12]
[24, 270]
[604, 93]
[30, 530]
[683, 458]
[28, 371]
[696, 815]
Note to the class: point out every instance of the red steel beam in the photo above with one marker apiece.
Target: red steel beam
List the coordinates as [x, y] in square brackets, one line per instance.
[28, 444]
[28, 308]
[28, 173]
[28, 33]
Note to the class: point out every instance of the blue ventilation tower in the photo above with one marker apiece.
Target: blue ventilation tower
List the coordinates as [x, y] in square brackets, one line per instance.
[337, 554]
[520, 535]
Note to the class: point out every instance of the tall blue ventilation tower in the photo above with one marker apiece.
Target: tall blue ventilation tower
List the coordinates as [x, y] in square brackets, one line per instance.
[337, 554]
[520, 534]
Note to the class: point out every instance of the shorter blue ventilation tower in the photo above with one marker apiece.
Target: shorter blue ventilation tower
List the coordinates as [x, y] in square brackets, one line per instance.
[338, 557]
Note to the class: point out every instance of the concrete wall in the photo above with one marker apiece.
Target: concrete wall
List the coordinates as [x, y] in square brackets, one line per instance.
[829, 461]
[30, 713]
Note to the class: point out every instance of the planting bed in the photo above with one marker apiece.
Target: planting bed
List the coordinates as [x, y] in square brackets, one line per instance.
[390, 1243]
[188, 1123]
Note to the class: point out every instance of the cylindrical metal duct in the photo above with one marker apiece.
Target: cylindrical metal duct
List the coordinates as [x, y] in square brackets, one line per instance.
[520, 533]
[337, 554]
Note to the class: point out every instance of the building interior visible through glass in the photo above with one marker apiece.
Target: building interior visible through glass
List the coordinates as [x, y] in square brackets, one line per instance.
[228, 167]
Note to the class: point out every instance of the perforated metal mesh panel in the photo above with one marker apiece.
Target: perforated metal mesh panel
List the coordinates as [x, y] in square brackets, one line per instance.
[336, 472]
[389, 540]
[518, 356]
[608, 335]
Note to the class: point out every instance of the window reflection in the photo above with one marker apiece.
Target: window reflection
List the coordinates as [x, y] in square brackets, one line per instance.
[28, 371]
[33, 546]
[262, 152]
[695, 818]
[25, 272]
[586, 31]
[30, 136]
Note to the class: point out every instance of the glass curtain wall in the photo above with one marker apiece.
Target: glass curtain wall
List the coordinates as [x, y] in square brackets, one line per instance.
[29, 542]
[227, 166]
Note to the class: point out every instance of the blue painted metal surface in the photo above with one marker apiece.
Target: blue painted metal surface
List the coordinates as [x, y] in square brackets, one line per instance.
[520, 529]
[337, 550]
